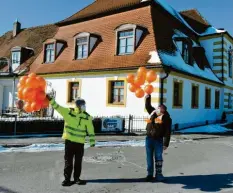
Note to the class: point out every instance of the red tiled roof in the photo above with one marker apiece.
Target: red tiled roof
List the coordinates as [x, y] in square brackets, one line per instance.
[195, 20]
[104, 55]
[30, 37]
[100, 7]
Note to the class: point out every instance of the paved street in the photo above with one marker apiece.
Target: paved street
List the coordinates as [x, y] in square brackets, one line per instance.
[190, 166]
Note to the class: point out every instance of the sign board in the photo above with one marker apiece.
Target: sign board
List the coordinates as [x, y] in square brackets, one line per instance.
[112, 125]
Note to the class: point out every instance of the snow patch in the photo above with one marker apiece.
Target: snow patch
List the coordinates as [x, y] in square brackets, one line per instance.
[206, 129]
[176, 61]
[60, 146]
[212, 30]
[154, 58]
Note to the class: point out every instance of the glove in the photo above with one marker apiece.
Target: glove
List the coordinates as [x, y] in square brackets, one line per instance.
[49, 97]
[148, 96]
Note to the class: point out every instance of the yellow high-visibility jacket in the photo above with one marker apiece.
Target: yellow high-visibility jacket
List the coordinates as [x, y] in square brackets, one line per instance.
[77, 124]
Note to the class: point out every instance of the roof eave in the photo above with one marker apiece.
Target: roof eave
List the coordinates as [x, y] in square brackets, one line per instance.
[104, 70]
[214, 34]
[193, 75]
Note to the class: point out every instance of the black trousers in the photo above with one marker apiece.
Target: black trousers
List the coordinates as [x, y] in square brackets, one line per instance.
[73, 152]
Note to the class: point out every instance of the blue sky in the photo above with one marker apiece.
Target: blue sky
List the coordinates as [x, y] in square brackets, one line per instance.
[39, 12]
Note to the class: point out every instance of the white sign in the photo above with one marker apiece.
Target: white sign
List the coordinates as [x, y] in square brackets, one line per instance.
[112, 125]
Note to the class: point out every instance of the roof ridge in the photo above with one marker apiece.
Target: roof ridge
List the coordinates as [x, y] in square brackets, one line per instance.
[192, 9]
[78, 11]
[29, 28]
[198, 12]
[39, 26]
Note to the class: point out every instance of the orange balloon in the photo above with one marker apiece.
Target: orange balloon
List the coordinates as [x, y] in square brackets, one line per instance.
[45, 103]
[27, 107]
[32, 75]
[40, 96]
[41, 81]
[22, 80]
[19, 85]
[142, 71]
[151, 76]
[20, 93]
[133, 87]
[138, 81]
[32, 82]
[139, 93]
[29, 94]
[36, 106]
[149, 89]
[130, 78]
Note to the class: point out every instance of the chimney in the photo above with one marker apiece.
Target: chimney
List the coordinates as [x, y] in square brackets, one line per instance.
[16, 28]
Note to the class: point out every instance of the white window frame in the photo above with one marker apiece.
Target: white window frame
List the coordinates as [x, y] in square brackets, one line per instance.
[51, 58]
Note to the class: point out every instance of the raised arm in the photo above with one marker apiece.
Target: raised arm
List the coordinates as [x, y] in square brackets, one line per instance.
[148, 106]
[61, 110]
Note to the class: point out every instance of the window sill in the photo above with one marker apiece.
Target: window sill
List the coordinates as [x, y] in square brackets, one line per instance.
[48, 62]
[177, 107]
[195, 107]
[70, 102]
[116, 105]
[81, 59]
[126, 54]
[217, 108]
[207, 107]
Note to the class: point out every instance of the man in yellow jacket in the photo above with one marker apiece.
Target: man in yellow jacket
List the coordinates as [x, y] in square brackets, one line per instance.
[78, 124]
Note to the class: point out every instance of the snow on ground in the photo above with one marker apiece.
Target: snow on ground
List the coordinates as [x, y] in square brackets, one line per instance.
[207, 129]
[60, 146]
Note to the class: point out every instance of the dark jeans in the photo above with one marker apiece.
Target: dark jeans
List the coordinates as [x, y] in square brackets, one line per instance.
[73, 150]
[154, 151]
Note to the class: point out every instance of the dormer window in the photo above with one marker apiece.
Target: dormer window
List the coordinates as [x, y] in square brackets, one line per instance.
[50, 53]
[52, 49]
[184, 46]
[84, 45]
[230, 58]
[15, 58]
[126, 42]
[128, 38]
[82, 48]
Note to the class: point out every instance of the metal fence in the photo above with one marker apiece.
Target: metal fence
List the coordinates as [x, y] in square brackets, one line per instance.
[15, 125]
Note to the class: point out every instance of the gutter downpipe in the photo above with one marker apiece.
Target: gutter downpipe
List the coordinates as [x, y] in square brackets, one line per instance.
[13, 93]
[162, 84]
[11, 73]
[222, 58]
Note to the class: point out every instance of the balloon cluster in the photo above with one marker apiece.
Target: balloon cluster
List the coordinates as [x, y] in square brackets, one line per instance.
[139, 80]
[31, 90]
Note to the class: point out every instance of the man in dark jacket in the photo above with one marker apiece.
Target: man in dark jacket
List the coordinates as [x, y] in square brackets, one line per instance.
[158, 138]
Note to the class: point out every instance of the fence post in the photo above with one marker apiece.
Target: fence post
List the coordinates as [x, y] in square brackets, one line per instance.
[129, 124]
[15, 125]
[176, 127]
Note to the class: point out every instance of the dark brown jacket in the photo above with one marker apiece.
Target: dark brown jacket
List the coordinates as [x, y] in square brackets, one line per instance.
[159, 130]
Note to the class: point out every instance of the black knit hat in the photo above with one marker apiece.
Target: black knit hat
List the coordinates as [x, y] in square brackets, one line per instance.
[79, 102]
[164, 106]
